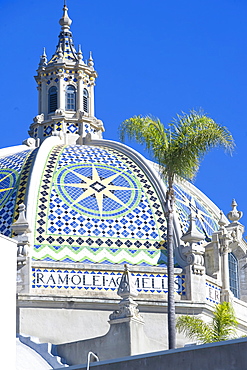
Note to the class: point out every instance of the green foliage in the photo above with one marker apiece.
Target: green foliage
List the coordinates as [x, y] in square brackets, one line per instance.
[224, 322]
[194, 328]
[222, 327]
[179, 147]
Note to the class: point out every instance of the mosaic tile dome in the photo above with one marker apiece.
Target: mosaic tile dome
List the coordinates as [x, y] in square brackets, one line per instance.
[14, 172]
[94, 204]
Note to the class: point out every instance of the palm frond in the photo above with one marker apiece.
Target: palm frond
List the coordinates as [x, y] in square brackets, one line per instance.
[147, 131]
[181, 146]
[224, 322]
[193, 136]
[194, 328]
[222, 327]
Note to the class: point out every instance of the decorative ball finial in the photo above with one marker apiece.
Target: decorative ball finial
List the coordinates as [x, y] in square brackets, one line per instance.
[234, 215]
[65, 21]
[221, 221]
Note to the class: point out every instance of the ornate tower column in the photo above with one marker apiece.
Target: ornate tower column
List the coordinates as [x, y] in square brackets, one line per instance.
[237, 248]
[225, 256]
[194, 253]
[224, 241]
[66, 92]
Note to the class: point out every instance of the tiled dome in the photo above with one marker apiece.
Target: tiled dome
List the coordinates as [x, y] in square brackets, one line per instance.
[94, 204]
[87, 199]
[14, 171]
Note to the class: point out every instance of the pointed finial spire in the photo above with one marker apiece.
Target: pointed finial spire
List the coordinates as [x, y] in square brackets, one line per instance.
[79, 54]
[65, 21]
[192, 235]
[126, 287]
[65, 50]
[90, 60]
[43, 59]
[60, 53]
[127, 308]
[234, 215]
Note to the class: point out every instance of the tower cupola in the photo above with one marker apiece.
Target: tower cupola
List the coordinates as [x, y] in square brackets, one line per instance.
[66, 92]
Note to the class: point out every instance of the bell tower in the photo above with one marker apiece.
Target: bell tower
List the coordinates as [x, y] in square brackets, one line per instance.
[65, 86]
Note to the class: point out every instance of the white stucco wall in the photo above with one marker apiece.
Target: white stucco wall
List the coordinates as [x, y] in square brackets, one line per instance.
[8, 292]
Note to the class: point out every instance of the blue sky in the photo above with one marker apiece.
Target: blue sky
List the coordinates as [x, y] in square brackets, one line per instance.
[159, 58]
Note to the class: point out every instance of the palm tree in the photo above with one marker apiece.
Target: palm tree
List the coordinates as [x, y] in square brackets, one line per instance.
[178, 149]
[223, 326]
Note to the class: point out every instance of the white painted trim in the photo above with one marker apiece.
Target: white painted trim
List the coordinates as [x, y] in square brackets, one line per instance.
[34, 182]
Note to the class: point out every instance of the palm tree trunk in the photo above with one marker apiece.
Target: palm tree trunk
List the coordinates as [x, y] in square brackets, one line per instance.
[170, 269]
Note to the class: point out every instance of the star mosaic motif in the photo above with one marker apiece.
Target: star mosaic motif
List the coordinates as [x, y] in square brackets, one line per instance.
[8, 179]
[97, 187]
[2, 183]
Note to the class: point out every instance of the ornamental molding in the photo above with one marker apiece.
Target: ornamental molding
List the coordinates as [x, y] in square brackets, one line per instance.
[21, 229]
